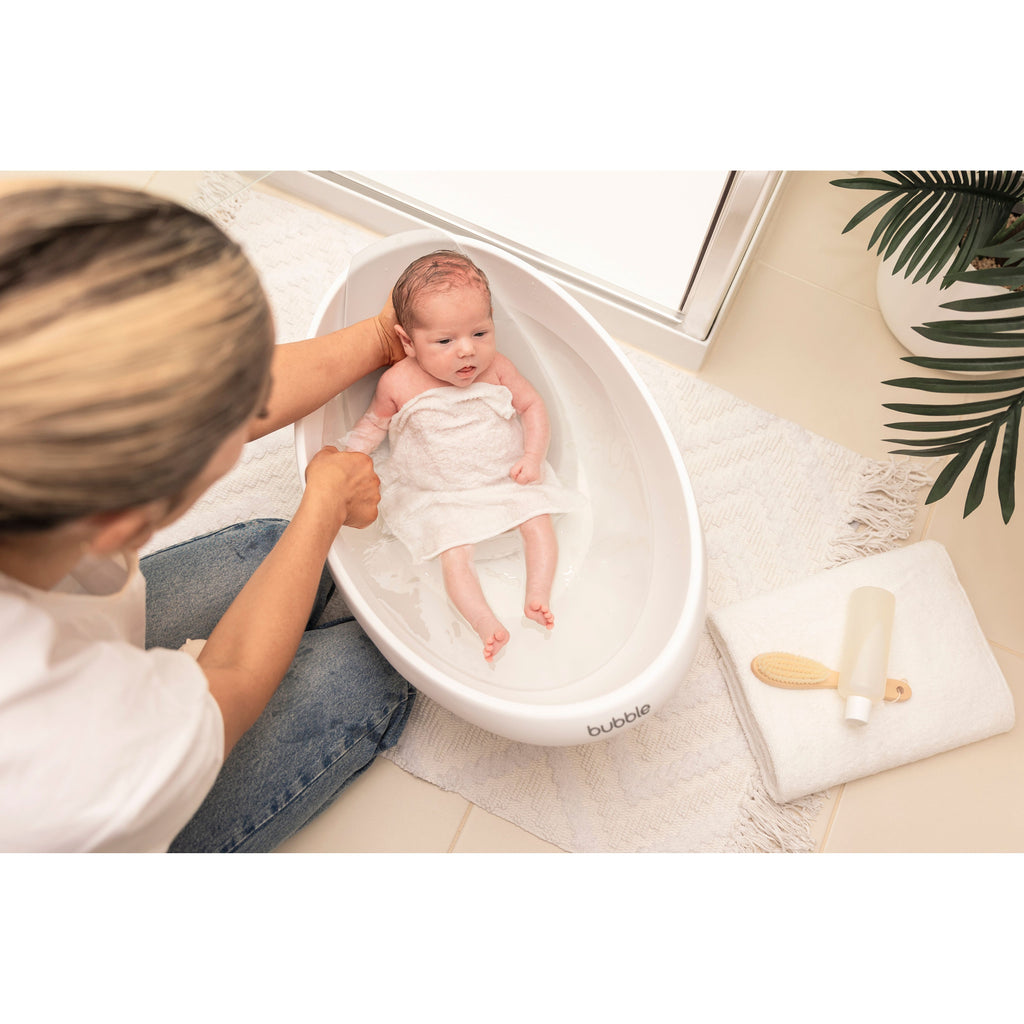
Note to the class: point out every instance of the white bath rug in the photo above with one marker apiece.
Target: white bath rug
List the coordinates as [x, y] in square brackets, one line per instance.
[777, 504]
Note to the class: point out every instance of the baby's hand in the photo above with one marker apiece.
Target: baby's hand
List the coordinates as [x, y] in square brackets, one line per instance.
[526, 470]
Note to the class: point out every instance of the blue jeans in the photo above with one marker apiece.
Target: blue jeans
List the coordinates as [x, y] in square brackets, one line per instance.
[338, 706]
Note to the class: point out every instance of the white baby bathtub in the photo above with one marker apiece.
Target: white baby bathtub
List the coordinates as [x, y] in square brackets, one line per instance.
[629, 594]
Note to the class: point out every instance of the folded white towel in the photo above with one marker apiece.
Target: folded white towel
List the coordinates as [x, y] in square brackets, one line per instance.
[801, 740]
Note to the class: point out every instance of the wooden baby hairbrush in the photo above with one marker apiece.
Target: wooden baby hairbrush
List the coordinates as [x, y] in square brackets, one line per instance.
[795, 672]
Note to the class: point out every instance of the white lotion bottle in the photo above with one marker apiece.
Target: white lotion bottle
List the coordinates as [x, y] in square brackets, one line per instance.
[865, 662]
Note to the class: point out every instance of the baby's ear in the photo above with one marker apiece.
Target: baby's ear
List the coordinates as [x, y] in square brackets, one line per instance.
[404, 339]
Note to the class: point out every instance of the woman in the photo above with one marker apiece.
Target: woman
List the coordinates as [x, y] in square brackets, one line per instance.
[136, 357]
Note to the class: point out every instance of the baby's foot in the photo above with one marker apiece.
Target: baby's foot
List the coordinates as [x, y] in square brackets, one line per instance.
[493, 634]
[540, 613]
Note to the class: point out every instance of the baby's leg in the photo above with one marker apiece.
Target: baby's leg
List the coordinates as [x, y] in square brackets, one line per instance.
[541, 549]
[463, 586]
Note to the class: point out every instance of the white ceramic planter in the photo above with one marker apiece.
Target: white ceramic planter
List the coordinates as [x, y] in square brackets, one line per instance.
[904, 305]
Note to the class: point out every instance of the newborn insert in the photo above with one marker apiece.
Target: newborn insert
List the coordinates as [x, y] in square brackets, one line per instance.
[801, 741]
[447, 482]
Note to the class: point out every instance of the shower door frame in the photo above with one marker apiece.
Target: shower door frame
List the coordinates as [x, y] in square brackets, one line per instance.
[681, 336]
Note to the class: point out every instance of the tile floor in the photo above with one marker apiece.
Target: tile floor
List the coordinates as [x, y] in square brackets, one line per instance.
[803, 339]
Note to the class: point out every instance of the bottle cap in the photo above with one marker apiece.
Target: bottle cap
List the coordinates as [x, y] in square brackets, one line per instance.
[858, 709]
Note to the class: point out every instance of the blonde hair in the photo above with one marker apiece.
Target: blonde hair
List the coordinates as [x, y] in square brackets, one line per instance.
[134, 338]
[437, 271]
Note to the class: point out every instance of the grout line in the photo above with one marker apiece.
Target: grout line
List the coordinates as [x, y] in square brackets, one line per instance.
[929, 516]
[814, 284]
[831, 819]
[1006, 648]
[458, 830]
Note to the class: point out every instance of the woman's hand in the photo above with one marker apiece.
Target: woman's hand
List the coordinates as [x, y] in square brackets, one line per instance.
[391, 344]
[347, 480]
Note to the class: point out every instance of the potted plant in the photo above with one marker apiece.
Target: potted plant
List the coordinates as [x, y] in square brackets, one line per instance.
[968, 227]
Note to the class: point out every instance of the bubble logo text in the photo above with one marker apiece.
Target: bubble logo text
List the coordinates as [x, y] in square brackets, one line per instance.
[618, 723]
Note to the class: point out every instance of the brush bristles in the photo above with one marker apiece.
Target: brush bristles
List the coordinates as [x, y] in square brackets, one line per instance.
[782, 668]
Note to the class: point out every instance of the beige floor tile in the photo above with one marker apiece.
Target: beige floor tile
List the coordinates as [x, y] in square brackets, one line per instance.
[967, 800]
[385, 810]
[486, 833]
[808, 355]
[805, 239]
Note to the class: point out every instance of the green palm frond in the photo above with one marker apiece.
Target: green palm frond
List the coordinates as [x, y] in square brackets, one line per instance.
[994, 434]
[936, 218]
[998, 431]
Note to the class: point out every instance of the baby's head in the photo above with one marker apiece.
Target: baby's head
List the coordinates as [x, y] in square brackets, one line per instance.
[444, 270]
[445, 321]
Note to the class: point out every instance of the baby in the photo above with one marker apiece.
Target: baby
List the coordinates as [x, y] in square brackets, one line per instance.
[469, 438]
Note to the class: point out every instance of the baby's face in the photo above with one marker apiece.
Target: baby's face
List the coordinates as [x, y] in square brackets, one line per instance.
[454, 341]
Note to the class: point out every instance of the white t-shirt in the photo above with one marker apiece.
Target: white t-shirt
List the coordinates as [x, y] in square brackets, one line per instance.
[103, 744]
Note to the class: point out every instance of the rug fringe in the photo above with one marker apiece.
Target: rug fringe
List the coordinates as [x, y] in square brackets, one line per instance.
[768, 827]
[883, 512]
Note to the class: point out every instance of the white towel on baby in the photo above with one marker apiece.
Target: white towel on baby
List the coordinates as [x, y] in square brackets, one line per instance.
[800, 738]
[447, 482]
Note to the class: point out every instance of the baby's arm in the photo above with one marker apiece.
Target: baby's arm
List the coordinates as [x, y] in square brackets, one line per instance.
[372, 428]
[534, 416]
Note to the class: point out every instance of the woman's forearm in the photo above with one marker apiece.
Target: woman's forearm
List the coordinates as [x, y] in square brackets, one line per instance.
[306, 374]
[252, 646]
